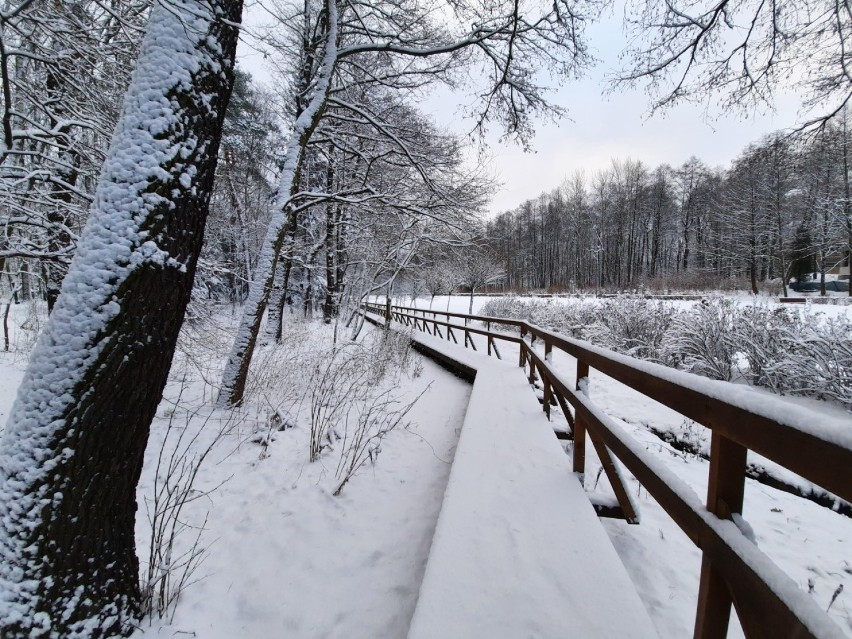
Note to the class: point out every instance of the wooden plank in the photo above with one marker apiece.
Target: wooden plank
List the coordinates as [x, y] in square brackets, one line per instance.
[615, 480]
[494, 505]
[452, 364]
[579, 424]
[565, 411]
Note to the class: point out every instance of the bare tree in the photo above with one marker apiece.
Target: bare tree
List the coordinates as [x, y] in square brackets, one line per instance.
[741, 51]
[418, 44]
[476, 268]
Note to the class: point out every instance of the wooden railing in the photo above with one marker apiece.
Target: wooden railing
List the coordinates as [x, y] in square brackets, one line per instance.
[733, 570]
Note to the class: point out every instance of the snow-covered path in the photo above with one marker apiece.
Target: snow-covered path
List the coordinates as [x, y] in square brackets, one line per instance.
[518, 549]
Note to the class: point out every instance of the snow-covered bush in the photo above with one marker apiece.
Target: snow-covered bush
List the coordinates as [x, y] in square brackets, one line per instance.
[363, 433]
[339, 381]
[635, 327]
[777, 348]
[701, 341]
[818, 360]
[390, 354]
[175, 545]
[510, 308]
[573, 318]
[352, 398]
[762, 335]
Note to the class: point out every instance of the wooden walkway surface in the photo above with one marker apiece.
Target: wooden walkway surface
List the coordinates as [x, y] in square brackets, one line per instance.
[518, 550]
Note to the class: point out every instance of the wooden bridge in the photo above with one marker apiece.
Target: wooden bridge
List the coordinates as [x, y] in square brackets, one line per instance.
[734, 571]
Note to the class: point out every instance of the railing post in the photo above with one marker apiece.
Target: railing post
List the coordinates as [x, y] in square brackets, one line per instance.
[548, 393]
[725, 490]
[488, 328]
[579, 426]
[522, 359]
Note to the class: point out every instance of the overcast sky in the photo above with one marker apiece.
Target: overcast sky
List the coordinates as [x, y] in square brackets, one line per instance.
[601, 127]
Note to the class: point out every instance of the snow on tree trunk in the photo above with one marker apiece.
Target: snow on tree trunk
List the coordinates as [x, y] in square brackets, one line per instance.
[72, 451]
[283, 218]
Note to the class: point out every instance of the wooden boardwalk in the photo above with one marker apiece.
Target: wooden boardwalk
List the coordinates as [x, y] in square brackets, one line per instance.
[518, 550]
[734, 571]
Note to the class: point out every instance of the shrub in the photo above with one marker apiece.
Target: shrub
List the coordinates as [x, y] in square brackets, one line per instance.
[701, 341]
[773, 347]
[762, 335]
[635, 327]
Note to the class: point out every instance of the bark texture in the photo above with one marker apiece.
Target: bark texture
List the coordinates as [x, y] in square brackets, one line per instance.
[72, 452]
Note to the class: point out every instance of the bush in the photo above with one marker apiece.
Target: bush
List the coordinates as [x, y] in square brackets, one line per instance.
[773, 347]
[353, 399]
[818, 360]
[763, 335]
[700, 341]
[635, 327]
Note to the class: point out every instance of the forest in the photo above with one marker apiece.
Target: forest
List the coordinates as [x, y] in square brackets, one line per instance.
[779, 212]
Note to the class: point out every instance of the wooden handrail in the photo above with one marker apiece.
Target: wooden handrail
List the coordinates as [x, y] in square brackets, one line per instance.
[762, 428]
[750, 420]
[733, 570]
[726, 547]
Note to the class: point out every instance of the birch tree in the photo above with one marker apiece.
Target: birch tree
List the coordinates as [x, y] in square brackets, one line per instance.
[419, 44]
[72, 450]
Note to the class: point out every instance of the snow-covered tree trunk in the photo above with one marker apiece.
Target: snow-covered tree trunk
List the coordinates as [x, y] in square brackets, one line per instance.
[72, 451]
[283, 218]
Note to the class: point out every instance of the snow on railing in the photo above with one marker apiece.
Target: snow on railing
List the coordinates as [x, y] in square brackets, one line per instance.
[733, 571]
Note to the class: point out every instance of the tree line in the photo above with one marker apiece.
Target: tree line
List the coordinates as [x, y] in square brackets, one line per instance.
[781, 211]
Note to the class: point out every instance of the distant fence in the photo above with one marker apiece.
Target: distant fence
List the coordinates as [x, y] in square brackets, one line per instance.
[733, 570]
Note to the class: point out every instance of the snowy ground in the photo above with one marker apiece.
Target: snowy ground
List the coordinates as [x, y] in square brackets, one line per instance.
[289, 558]
[286, 558]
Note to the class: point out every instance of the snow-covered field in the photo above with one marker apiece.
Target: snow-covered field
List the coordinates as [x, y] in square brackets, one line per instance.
[284, 557]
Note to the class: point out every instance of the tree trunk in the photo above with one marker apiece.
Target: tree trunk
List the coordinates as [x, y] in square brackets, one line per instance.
[283, 220]
[73, 447]
[25, 281]
[847, 203]
[332, 235]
